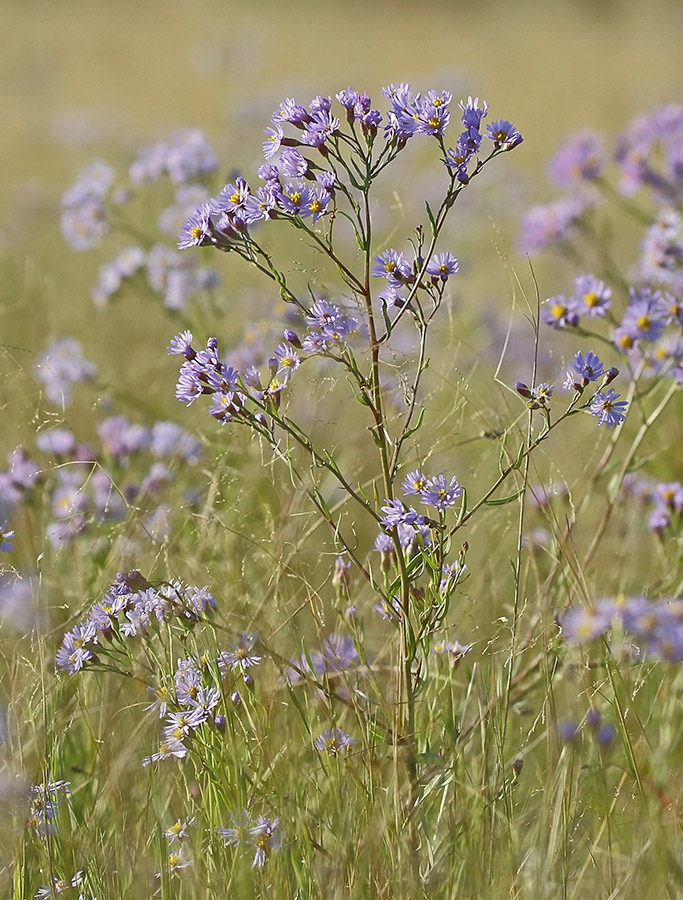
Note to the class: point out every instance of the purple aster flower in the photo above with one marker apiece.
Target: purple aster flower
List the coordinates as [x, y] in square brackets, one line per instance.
[541, 394]
[75, 651]
[439, 493]
[333, 741]
[504, 135]
[261, 205]
[581, 157]
[273, 140]
[295, 199]
[583, 624]
[391, 265]
[397, 513]
[293, 163]
[642, 316]
[287, 359]
[588, 369]
[414, 483]
[442, 265]
[241, 656]
[593, 296]
[431, 119]
[322, 126]
[318, 203]
[390, 610]
[347, 98]
[472, 113]
[197, 232]
[6, 535]
[56, 442]
[269, 173]
[625, 339]
[559, 312]
[608, 408]
[233, 197]
[659, 519]
[168, 747]
[383, 543]
[454, 650]
[189, 156]
[291, 111]
[264, 837]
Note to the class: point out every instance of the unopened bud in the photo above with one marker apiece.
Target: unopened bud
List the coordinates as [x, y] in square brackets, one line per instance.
[522, 389]
[292, 337]
[611, 374]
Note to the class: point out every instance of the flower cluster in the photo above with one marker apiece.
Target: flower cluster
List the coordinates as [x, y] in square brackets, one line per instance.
[187, 158]
[648, 154]
[295, 187]
[85, 219]
[261, 838]
[60, 367]
[44, 800]
[502, 133]
[655, 627]
[581, 157]
[130, 608]
[88, 485]
[337, 655]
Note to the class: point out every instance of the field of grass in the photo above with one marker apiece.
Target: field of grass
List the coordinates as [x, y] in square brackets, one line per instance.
[489, 705]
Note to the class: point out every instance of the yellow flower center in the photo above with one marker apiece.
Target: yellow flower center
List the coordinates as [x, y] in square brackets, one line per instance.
[295, 197]
[591, 299]
[643, 322]
[558, 310]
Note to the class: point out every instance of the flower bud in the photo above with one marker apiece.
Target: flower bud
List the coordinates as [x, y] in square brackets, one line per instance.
[292, 337]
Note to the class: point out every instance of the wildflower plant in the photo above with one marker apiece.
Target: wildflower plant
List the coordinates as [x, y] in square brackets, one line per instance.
[387, 731]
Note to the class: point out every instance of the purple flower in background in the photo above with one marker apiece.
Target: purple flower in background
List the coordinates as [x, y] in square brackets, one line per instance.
[590, 368]
[608, 408]
[593, 296]
[643, 314]
[553, 222]
[60, 367]
[580, 157]
[559, 312]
